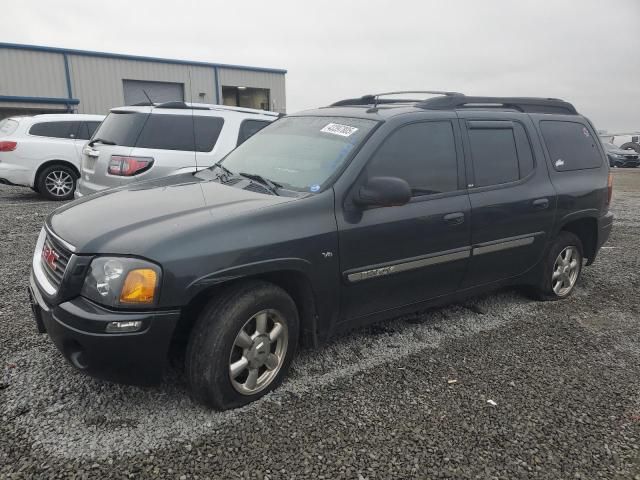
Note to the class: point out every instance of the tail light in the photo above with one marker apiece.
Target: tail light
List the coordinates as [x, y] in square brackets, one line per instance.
[8, 146]
[609, 188]
[129, 166]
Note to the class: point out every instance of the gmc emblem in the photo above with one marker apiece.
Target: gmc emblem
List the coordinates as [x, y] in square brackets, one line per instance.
[50, 257]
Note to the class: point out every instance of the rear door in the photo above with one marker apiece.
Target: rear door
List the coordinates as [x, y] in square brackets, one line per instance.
[512, 200]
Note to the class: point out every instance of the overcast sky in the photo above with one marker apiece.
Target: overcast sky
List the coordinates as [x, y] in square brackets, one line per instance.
[584, 51]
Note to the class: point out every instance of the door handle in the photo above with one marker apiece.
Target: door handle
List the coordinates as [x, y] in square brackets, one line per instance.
[541, 203]
[454, 218]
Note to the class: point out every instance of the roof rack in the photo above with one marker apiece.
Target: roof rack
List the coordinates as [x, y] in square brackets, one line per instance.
[375, 99]
[521, 104]
[454, 100]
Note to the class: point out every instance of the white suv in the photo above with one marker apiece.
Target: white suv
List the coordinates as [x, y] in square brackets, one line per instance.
[144, 142]
[44, 151]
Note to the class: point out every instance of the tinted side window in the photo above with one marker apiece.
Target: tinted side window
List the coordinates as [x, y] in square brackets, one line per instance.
[423, 154]
[249, 128]
[501, 154]
[55, 129]
[207, 131]
[92, 127]
[167, 132]
[87, 129]
[571, 145]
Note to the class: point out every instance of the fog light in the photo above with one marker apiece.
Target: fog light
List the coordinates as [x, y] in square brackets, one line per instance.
[122, 327]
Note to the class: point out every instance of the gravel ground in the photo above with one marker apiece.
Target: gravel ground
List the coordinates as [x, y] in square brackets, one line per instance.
[501, 387]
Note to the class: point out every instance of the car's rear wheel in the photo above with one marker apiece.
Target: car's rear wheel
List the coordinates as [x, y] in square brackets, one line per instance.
[242, 345]
[562, 267]
[57, 182]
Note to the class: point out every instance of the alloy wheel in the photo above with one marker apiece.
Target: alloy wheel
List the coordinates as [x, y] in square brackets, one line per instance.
[59, 183]
[565, 271]
[258, 352]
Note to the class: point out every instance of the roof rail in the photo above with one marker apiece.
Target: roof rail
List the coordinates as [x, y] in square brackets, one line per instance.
[375, 99]
[522, 104]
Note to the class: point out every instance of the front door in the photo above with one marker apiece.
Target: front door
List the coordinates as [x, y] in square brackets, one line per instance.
[398, 256]
[512, 199]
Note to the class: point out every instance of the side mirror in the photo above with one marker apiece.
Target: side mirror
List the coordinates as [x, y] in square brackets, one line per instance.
[383, 192]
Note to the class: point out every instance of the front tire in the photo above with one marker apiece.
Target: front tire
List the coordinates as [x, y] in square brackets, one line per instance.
[242, 345]
[57, 182]
[562, 267]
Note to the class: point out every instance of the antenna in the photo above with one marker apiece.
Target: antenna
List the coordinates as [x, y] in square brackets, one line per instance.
[148, 97]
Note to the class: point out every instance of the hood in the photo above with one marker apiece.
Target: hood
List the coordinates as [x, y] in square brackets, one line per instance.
[132, 218]
[620, 151]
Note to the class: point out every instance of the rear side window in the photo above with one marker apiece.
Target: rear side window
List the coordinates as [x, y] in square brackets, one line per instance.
[180, 132]
[55, 129]
[207, 131]
[87, 129]
[8, 126]
[249, 128]
[571, 145]
[121, 128]
[500, 151]
[423, 154]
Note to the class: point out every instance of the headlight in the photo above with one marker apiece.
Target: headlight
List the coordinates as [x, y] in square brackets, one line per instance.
[122, 282]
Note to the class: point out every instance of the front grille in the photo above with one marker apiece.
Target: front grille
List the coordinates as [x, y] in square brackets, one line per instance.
[54, 260]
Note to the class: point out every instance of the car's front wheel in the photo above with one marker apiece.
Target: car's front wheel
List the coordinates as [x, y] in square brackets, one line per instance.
[242, 344]
[562, 267]
[57, 182]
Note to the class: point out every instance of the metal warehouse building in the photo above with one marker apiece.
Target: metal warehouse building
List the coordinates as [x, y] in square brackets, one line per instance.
[35, 79]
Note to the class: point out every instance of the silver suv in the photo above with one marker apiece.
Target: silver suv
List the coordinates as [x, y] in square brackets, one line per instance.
[144, 142]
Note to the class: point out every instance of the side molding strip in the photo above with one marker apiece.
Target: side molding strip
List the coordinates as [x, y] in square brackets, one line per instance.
[409, 265]
[382, 270]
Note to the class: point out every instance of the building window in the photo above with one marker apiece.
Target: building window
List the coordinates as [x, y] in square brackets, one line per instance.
[159, 92]
[258, 98]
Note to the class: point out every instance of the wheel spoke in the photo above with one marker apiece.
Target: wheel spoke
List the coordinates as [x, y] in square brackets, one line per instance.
[275, 332]
[261, 323]
[243, 340]
[237, 367]
[556, 274]
[252, 379]
[271, 362]
[573, 264]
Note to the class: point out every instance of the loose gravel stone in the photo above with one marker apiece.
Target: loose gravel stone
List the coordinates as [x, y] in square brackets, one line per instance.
[498, 387]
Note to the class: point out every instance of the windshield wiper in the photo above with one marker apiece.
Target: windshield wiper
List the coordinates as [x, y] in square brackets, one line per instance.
[100, 140]
[270, 184]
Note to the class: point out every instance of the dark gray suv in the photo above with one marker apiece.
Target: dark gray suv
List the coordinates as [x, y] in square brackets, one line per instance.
[323, 221]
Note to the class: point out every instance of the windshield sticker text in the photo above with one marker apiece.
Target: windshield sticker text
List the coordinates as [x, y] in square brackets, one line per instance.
[338, 129]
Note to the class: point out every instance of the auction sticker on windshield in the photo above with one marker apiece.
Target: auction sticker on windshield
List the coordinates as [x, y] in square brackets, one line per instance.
[338, 129]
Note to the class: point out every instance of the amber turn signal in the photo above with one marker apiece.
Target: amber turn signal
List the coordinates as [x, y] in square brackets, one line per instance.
[139, 286]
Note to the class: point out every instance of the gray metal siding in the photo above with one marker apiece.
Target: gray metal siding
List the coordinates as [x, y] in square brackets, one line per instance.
[97, 82]
[32, 74]
[275, 82]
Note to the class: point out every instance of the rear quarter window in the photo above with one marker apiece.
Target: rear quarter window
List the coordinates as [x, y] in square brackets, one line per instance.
[571, 145]
[249, 128]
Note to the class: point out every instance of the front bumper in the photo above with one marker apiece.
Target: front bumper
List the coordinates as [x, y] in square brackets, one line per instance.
[77, 328]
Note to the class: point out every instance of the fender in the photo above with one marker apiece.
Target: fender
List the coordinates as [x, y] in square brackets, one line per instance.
[325, 291]
[592, 213]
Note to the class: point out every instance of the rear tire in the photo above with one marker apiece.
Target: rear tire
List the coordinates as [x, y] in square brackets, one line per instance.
[242, 345]
[57, 182]
[562, 268]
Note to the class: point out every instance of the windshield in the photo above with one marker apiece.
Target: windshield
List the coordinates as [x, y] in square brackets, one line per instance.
[7, 127]
[300, 153]
[610, 146]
